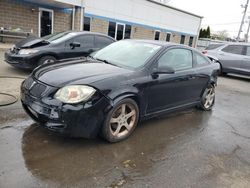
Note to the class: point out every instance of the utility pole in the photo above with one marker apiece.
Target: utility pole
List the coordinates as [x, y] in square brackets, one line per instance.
[247, 34]
[242, 21]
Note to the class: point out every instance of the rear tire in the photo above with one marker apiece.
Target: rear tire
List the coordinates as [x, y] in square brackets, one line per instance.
[46, 59]
[208, 98]
[121, 121]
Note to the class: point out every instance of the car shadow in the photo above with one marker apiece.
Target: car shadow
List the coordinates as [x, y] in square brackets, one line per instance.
[73, 160]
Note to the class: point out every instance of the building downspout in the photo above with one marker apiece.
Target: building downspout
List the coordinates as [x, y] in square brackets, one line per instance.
[199, 28]
[73, 18]
[81, 19]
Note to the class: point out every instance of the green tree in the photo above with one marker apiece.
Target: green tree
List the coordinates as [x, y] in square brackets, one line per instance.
[208, 32]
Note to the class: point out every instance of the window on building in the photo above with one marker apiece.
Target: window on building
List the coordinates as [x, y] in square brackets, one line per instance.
[168, 37]
[112, 28]
[190, 43]
[234, 49]
[119, 31]
[86, 26]
[157, 35]
[182, 39]
[178, 59]
[127, 31]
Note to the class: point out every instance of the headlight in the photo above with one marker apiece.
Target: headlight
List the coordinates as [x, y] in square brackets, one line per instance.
[74, 93]
[27, 51]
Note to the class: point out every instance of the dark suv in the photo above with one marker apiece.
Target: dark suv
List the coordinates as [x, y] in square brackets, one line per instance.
[233, 57]
[32, 52]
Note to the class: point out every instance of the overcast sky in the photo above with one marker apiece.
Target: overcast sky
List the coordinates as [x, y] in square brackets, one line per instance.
[218, 14]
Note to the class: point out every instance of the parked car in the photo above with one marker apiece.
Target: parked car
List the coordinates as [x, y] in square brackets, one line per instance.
[123, 83]
[233, 57]
[32, 52]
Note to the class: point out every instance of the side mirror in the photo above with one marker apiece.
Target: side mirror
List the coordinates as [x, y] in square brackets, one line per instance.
[163, 70]
[74, 44]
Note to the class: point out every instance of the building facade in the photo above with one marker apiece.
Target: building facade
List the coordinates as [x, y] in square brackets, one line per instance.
[120, 19]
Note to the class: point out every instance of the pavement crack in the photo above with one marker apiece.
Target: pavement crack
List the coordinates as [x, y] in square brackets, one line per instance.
[238, 134]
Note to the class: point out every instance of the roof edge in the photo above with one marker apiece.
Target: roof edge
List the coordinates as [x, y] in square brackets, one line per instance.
[174, 8]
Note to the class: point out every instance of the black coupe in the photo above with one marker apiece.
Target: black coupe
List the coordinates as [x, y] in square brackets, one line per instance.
[111, 91]
[32, 51]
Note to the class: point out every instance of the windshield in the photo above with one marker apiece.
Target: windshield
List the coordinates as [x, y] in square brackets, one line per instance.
[131, 54]
[58, 37]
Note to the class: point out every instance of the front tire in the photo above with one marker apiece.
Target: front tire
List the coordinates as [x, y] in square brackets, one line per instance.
[121, 121]
[208, 98]
[46, 59]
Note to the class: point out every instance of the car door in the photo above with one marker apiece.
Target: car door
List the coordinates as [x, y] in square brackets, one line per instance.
[246, 60]
[172, 90]
[231, 57]
[86, 46]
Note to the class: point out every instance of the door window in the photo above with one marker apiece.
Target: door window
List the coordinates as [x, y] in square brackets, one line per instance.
[233, 49]
[248, 50]
[182, 39]
[45, 22]
[86, 41]
[200, 60]
[178, 59]
[157, 35]
[168, 36]
[120, 31]
[101, 42]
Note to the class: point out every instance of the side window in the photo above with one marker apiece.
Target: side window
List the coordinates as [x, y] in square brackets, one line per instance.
[178, 59]
[101, 42]
[233, 49]
[86, 41]
[200, 60]
[248, 50]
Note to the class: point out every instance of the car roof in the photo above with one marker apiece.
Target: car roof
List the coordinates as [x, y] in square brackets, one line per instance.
[162, 43]
[91, 33]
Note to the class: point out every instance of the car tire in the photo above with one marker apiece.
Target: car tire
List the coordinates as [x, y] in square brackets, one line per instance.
[46, 59]
[208, 98]
[121, 121]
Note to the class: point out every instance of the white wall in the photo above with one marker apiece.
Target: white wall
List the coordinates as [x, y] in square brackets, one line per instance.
[146, 13]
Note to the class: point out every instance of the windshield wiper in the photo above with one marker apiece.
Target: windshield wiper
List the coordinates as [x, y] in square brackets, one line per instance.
[105, 61]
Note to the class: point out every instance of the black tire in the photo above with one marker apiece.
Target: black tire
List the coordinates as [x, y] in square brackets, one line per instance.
[109, 128]
[46, 59]
[203, 104]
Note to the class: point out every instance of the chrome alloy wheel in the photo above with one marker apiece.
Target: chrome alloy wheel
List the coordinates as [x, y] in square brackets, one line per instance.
[209, 97]
[123, 120]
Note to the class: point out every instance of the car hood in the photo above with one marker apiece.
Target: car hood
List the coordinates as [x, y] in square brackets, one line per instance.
[30, 42]
[61, 74]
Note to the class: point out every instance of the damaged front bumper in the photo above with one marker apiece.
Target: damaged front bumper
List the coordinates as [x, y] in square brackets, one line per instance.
[74, 120]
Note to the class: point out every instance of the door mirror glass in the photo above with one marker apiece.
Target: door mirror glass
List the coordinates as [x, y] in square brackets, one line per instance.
[74, 44]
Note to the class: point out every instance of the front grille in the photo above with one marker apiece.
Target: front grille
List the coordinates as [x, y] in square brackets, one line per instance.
[35, 88]
[28, 82]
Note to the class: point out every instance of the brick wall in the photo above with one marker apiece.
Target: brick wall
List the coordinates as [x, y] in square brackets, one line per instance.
[99, 26]
[13, 14]
[141, 33]
[163, 36]
[62, 21]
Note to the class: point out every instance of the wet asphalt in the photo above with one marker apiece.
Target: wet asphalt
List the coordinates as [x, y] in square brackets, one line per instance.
[191, 148]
